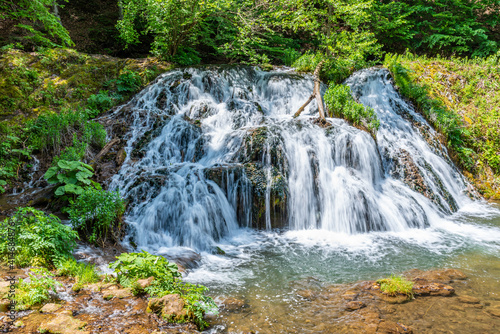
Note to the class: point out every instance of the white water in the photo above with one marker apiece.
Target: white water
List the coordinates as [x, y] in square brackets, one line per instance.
[337, 179]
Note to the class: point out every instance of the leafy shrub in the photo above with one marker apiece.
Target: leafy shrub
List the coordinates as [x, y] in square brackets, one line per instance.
[84, 273]
[133, 266]
[395, 285]
[128, 82]
[40, 239]
[144, 265]
[96, 212]
[51, 131]
[186, 56]
[73, 175]
[340, 103]
[36, 290]
[101, 102]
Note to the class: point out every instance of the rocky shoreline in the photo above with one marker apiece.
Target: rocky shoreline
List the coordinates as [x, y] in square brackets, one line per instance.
[445, 300]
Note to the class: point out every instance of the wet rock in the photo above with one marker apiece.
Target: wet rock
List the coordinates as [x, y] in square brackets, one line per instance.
[350, 295]
[4, 305]
[393, 327]
[118, 293]
[120, 157]
[442, 276]
[307, 294]
[354, 305]
[494, 311]
[171, 308]
[433, 289]
[468, 299]
[186, 259]
[4, 289]
[144, 283]
[233, 304]
[50, 308]
[63, 323]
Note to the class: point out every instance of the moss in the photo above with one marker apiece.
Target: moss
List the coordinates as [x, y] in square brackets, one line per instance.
[56, 81]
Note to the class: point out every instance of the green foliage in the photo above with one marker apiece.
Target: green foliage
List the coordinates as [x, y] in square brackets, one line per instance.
[133, 266]
[395, 285]
[435, 111]
[97, 213]
[128, 82]
[84, 273]
[340, 103]
[74, 177]
[144, 265]
[11, 158]
[40, 239]
[39, 26]
[460, 97]
[101, 102]
[172, 23]
[36, 290]
[441, 26]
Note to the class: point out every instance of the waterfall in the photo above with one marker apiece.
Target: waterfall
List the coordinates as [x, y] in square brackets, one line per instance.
[211, 150]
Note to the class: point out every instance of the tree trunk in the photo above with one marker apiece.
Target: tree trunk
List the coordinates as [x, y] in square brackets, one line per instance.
[316, 94]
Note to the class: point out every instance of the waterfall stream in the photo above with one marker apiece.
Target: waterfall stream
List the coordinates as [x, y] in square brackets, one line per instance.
[211, 150]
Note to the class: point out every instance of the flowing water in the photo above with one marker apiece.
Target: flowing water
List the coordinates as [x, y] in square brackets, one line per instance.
[215, 159]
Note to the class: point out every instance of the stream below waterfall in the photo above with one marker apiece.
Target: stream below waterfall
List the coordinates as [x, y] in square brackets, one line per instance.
[215, 161]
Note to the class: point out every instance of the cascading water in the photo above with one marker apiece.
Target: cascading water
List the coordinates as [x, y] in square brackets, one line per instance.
[212, 150]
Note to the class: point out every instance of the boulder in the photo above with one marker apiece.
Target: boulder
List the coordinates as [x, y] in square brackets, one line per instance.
[118, 293]
[63, 323]
[171, 308]
[4, 305]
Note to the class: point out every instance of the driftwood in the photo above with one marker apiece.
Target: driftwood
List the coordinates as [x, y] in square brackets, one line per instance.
[105, 150]
[316, 94]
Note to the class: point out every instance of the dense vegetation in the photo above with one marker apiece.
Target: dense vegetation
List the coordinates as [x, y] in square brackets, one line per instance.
[443, 54]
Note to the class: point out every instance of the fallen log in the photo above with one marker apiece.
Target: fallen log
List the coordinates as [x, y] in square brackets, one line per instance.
[316, 94]
[105, 150]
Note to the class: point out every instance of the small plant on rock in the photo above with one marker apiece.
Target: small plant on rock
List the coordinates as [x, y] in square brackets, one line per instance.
[395, 285]
[83, 273]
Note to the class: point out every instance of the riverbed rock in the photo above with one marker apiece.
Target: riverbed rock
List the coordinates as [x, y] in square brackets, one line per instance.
[118, 293]
[50, 308]
[144, 283]
[468, 299]
[233, 304]
[391, 327]
[171, 308]
[354, 305]
[494, 311]
[433, 289]
[63, 323]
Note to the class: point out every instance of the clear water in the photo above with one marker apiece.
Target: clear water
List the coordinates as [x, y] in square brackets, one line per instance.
[352, 209]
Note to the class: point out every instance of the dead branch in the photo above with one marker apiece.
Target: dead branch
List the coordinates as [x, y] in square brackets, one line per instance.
[316, 94]
[105, 150]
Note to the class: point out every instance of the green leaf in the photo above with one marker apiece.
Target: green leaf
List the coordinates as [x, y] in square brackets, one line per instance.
[49, 174]
[60, 191]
